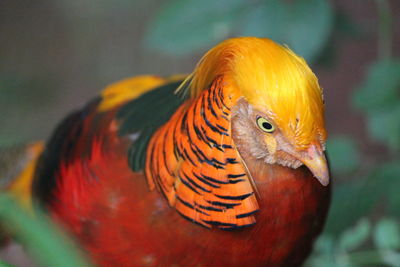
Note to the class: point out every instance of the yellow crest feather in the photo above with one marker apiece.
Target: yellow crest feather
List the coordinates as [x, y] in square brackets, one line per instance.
[270, 77]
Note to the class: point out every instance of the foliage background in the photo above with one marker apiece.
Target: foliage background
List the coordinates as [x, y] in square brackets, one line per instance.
[56, 54]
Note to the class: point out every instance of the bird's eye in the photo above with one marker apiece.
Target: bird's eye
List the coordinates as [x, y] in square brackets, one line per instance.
[265, 125]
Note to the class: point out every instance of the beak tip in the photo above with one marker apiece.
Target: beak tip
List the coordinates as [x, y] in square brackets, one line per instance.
[316, 162]
[323, 180]
[322, 176]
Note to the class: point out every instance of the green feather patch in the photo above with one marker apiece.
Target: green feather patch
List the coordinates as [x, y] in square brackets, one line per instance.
[142, 116]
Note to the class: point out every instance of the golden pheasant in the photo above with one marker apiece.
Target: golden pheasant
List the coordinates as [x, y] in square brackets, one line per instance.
[224, 167]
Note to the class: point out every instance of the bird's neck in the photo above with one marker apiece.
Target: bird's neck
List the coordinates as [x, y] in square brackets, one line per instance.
[192, 160]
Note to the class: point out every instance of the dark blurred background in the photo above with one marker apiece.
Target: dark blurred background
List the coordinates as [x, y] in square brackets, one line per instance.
[57, 54]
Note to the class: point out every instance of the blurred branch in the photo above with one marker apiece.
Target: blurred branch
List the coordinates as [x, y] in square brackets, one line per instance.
[385, 29]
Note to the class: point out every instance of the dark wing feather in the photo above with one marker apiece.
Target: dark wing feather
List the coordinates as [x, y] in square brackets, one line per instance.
[142, 116]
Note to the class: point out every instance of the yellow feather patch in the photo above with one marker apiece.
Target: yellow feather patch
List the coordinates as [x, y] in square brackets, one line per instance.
[21, 187]
[271, 78]
[128, 89]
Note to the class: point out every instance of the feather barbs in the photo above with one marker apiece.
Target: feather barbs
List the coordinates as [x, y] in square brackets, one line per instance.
[193, 162]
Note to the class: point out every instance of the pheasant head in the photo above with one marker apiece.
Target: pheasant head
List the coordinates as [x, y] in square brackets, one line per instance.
[279, 113]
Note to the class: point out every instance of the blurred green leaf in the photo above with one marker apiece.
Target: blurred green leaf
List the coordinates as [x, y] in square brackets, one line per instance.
[356, 198]
[310, 27]
[321, 260]
[41, 238]
[379, 98]
[387, 234]
[351, 200]
[346, 25]
[343, 154]
[381, 89]
[267, 20]
[354, 237]
[325, 244]
[4, 264]
[390, 258]
[304, 25]
[384, 126]
[385, 182]
[183, 26]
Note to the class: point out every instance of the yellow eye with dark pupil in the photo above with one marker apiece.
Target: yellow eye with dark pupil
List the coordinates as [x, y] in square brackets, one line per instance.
[265, 125]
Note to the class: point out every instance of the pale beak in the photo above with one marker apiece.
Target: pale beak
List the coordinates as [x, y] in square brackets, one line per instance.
[316, 162]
